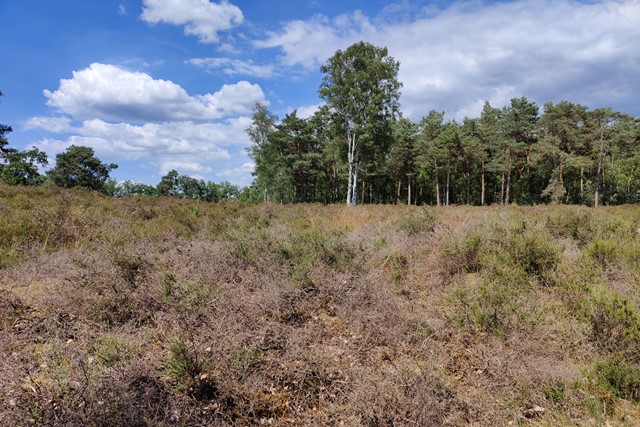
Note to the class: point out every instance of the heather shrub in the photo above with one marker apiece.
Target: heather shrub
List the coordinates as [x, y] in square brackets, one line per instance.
[185, 363]
[421, 222]
[464, 254]
[490, 306]
[604, 251]
[533, 251]
[620, 377]
[163, 311]
[111, 350]
[575, 223]
[615, 323]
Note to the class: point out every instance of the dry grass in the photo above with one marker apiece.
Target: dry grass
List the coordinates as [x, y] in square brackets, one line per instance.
[145, 312]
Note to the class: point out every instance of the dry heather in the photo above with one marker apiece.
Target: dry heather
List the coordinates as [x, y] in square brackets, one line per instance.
[145, 312]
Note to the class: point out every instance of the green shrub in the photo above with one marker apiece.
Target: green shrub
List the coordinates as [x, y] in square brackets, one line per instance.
[615, 323]
[463, 255]
[168, 285]
[604, 251]
[424, 221]
[184, 363]
[556, 391]
[631, 252]
[109, 351]
[490, 306]
[245, 359]
[534, 251]
[575, 223]
[619, 377]
[8, 257]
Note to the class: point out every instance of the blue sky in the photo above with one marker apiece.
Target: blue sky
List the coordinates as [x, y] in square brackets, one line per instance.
[154, 85]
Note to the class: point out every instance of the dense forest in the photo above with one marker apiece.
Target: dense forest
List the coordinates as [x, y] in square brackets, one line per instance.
[359, 148]
[567, 153]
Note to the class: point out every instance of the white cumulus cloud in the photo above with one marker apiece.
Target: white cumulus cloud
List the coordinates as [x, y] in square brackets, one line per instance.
[240, 174]
[129, 116]
[109, 92]
[309, 43]
[185, 168]
[200, 18]
[307, 111]
[50, 124]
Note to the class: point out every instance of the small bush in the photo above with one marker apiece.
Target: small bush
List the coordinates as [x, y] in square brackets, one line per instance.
[615, 323]
[535, 252]
[463, 255]
[8, 257]
[398, 266]
[423, 222]
[185, 364]
[619, 377]
[556, 392]
[574, 223]
[109, 351]
[604, 251]
[490, 306]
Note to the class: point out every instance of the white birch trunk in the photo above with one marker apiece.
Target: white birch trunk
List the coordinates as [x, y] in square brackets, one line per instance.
[354, 193]
[351, 140]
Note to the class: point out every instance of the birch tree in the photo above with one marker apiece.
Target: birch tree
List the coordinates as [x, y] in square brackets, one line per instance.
[361, 87]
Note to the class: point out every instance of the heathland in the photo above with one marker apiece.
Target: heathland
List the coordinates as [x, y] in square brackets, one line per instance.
[163, 311]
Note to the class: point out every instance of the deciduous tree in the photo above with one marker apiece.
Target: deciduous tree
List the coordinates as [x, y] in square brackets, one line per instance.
[361, 87]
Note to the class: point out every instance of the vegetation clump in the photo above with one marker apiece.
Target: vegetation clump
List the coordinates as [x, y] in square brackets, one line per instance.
[164, 311]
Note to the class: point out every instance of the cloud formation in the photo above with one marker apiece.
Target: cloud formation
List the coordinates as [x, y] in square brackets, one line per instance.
[185, 146]
[130, 116]
[109, 92]
[457, 57]
[200, 18]
[232, 66]
[308, 43]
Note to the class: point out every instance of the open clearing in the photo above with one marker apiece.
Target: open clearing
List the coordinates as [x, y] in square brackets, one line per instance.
[162, 311]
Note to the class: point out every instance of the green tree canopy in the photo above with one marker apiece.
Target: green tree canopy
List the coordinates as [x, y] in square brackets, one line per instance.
[78, 167]
[21, 167]
[361, 87]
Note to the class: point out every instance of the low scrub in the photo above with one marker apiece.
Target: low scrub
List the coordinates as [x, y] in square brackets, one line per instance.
[163, 311]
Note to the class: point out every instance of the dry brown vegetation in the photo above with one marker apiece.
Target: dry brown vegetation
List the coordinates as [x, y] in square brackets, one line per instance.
[169, 312]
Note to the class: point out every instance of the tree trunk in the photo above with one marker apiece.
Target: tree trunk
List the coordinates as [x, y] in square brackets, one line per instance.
[582, 184]
[529, 170]
[448, 180]
[354, 193]
[364, 181]
[350, 180]
[397, 200]
[408, 189]
[599, 171]
[351, 139]
[508, 179]
[437, 189]
[482, 186]
[468, 202]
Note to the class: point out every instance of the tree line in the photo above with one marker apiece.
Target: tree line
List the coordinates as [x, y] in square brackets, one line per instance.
[358, 148]
[359, 145]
